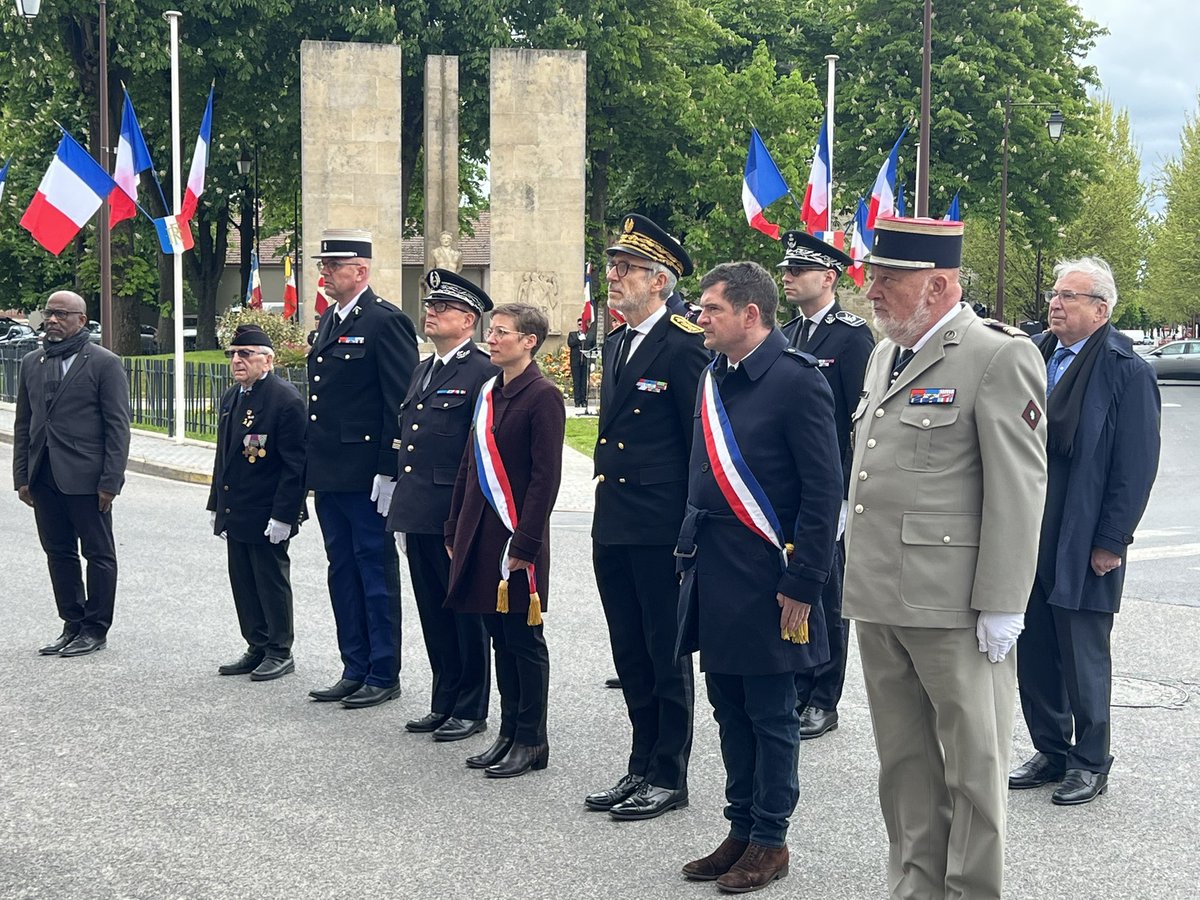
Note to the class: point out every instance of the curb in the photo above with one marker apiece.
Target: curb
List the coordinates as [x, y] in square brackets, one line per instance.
[146, 467]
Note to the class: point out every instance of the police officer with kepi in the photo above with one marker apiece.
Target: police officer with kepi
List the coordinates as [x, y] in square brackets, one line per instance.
[842, 343]
[652, 365]
[435, 422]
[358, 371]
[258, 480]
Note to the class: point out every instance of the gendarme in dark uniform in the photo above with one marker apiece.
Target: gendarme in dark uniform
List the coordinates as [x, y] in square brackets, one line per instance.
[842, 344]
[641, 459]
[358, 371]
[435, 423]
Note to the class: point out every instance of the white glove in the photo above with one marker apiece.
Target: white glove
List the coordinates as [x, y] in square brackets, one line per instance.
[402, 542]
[997, 632]
[381, 493]
[277, 532]
[842, 519]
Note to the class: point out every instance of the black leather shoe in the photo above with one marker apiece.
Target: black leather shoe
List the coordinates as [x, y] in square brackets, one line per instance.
[456, 729]
[342, 689]
[650, 802]
[816, 722]
[1039, 770]
[613, 682]
[491, 755]
[272, 668]
[82, 645]
[371, 695]
[603, 801]
[1080, 786]
[244, 665]
[427, 723]
[519, 760]
[53, 649]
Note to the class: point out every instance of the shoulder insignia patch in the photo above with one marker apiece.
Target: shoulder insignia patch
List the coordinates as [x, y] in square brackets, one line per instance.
[690, 327]
[850, 318]
[805, 359]
[1010, 330]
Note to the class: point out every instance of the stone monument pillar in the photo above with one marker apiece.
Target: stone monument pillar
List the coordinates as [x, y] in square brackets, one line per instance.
[538, 118]
[350, 155]
[441, 162]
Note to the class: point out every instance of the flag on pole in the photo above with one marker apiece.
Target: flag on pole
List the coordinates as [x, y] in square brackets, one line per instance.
[321, 301]
[133, 158]
[291, 300]
[860, 244]
[883, 196]
[171, 235]
[195, 181]
[589, 311]
[762, 185]
[4, 177]
[952, 214]
[832, 238]
[815, 209]
[254, 286]
[70, 193]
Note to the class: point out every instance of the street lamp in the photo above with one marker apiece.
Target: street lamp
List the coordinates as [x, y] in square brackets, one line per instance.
[1054, 127]
[28, 9]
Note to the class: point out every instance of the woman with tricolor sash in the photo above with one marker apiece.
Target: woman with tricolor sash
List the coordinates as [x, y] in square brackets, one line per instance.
[498, 533]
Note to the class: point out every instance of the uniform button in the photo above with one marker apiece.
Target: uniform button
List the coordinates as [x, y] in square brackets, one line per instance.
[420, 406]
[637, 412]
[924, 423]
[347, 356]
[704, 467]
[862, 476]
[226, 512]
[366, 437]
[622, 480]
[316, 378]
[879, 413]
[604, 440]
[858, 508]
[415, 426]
[946, 539]
[314, 396]
[620, 446]
[320, 359]
[600, 478]
[410, 448]
[444, 405]
[870, 443]
[313, 417]
[408, 468]
[226, 487]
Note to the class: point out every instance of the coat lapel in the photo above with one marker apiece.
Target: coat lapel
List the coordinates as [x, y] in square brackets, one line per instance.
[54, 366]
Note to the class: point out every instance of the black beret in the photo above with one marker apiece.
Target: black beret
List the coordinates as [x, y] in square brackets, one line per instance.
[250, 336]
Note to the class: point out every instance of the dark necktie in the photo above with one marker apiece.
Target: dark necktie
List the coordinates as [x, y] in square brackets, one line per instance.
[1053, 367]
[806, 331]
[903, 358]
[433, 370]
[622, 352]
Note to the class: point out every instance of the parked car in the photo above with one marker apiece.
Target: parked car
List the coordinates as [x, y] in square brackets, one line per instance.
[149, 340]
[189, 332]
[1176, 360]
[15, 332]
[93, 328]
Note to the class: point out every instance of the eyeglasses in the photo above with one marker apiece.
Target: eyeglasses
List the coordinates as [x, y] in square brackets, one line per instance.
[242, 353]
[440, 306]
[60, 313]
[797, 271]
[333, 264]
[623, 266]
[502, 333]
[1069, 296]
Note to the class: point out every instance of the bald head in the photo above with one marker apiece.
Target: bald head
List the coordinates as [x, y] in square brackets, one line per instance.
[65, 314]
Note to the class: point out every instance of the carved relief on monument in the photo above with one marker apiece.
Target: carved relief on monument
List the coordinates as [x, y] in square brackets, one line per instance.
[541, 289]
[445, 255]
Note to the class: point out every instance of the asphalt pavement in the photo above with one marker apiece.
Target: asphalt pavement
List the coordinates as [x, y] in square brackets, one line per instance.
[139, 773]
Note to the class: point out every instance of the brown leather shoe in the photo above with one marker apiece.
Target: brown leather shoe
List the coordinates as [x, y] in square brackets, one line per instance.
[717, 863]
[757, 868]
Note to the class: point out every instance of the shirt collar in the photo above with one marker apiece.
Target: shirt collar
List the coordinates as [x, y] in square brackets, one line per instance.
[821, 313]
[342, 312]
[937, 326]
[650, 321]
[449, 356]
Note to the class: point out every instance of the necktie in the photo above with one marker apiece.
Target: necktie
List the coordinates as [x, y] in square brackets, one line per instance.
[1054, 368]
[433, 370]
[806, 330]
[902, 359]
[622, 352]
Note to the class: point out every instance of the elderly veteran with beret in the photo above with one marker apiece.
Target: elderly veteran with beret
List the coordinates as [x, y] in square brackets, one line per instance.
[359, 370]
[946, 492]
[435, 422]
[257, 501]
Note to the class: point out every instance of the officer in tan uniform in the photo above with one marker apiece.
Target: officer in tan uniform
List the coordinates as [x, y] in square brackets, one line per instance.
[947, 482]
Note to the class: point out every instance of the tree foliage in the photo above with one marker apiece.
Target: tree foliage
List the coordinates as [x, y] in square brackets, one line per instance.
[1174, 264]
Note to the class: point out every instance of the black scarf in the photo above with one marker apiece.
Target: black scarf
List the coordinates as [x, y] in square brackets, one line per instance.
[67, 346]
[1066, 401]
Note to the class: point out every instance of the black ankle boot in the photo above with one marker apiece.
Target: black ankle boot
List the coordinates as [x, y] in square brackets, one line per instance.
[492, 754]
[520, 759]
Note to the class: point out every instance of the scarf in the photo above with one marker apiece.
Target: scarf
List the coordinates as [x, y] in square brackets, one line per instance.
[1066, 401]
[68, 346]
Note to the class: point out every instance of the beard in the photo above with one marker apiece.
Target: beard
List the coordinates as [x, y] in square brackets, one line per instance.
[908, 331]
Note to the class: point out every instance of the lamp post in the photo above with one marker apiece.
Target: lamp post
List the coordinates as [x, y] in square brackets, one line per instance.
[1054, 127]
[28, 9]
[246, 227]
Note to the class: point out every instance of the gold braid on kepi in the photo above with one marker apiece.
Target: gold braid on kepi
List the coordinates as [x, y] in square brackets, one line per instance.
[641, 237]
[651, 249]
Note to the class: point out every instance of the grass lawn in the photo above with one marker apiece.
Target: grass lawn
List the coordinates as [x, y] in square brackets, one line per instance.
[195, 356]
[581, 434]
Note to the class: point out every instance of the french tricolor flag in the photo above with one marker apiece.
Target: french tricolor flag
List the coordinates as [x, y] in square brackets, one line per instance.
[815, 208]
[761, 186]
[70, 193]
[861, 239]
[133, 158]
[4, 176]
[195, 182]
[883, 194]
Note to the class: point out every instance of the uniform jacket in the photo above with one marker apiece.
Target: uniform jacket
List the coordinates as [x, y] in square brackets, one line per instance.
[358, 374]
[645, 435]
[781, 412]
[529, 420]
[842, 344]
[946, 498]
[1109, 476]
[80, 421]
[246, 495]
[578, 345]
[434, 425]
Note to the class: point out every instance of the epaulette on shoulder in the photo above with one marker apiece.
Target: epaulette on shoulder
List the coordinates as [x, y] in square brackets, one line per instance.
[682, 323]
[850, 318]
[805, 359]
[1010, 330]
[387, 304]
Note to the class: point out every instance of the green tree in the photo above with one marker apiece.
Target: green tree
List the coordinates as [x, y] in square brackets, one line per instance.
[1174, 265]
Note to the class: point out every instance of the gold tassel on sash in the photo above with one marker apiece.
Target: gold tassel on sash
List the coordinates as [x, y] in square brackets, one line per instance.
[796, 635]
[502, 597]
[535, 610]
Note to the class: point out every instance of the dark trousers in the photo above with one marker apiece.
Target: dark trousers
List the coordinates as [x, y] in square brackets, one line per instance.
[364, 586]
[457, 644]
[260, 576]
[1064, 674]
[822, 686]
[760, 744]
[579, 382]
[640, 594]
[67, 524]
[522, 676]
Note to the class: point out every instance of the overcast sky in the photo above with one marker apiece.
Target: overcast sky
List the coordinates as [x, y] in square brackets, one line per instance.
[1148, 65]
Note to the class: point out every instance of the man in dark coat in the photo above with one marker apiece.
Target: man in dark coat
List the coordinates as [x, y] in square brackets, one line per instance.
[1103, 441]
[581, 341]
[842, 344]
[765, 480]
[257, 501]
[358, 370]
[651, 367]
[435, 421]
[70, 448]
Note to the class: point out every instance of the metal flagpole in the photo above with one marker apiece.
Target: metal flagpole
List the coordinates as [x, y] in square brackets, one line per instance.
[830, 61]
[176, 199]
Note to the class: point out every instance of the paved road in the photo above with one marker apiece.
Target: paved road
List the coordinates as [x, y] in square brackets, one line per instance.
[139, 773]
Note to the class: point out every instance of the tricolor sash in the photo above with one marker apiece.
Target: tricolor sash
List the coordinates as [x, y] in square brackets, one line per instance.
[738, 485]
[497, 490]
